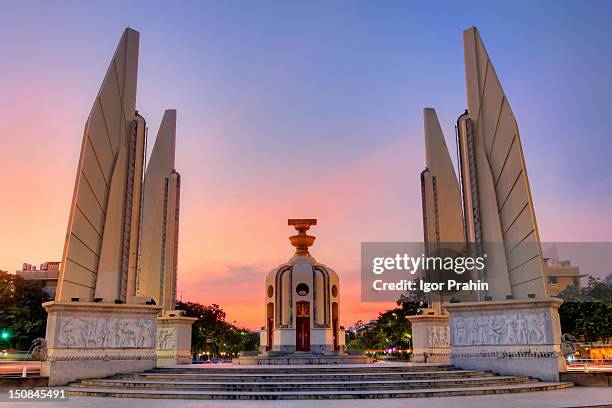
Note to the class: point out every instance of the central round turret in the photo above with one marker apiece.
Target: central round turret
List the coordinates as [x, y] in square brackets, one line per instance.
[302, 301]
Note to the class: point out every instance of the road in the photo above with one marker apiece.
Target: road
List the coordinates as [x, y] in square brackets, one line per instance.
[16, 367]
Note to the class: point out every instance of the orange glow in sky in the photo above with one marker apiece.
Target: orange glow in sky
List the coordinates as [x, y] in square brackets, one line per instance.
[315, 114]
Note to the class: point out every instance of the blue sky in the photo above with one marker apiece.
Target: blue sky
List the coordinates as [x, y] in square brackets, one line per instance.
[290, 109]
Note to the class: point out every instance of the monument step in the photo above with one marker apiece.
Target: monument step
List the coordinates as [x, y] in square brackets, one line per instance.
[300, 386]
[326, 394]
[306, 369]
[304, 377]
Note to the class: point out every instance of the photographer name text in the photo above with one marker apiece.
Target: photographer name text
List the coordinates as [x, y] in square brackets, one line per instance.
[410, 285]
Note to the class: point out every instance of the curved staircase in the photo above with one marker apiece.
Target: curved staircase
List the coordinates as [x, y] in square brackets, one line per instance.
[381, 380]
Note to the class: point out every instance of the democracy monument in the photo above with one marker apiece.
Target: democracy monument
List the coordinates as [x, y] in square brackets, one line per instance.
[302, 307]
[113, 330]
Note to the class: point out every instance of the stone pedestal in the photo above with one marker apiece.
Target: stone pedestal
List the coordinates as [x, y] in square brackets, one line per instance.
[93, 340]
[512, 337]
[322, 340]
[174, 338]
[300, 358]
[430, 338]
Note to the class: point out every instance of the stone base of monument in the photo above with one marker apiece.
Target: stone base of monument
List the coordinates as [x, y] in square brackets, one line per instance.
[430, 339]
[512, 337]
[174, 338]
[93, 340]
[300, 358]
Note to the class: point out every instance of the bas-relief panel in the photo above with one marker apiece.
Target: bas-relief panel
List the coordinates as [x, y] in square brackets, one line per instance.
[500, 329]
[105, 332]
[438, 336]
[166, 338]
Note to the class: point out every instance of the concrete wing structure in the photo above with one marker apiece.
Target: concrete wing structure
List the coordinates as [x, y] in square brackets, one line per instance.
[160, 222]
[498, 204]
[442, 230]
[100, 251]
[442, 214]
[441, 197]
[96, 327]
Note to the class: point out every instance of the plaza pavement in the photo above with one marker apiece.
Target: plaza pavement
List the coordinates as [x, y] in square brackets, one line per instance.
[571, 397]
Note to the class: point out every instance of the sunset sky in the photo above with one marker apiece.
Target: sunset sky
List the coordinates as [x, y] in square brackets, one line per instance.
[289, 110]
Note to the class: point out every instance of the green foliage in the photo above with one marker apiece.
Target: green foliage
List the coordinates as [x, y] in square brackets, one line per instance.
[392, 329]
[355, 344]
[211, 325]
[587, 311]
[21, 313]
[23, 319]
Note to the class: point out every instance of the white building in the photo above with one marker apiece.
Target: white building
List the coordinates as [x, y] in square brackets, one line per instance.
[302, 300]
[47, 273]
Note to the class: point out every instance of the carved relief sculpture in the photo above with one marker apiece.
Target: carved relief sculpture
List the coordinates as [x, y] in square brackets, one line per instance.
[438, 336]
[512, 329]
[166, 338]
[81, 332]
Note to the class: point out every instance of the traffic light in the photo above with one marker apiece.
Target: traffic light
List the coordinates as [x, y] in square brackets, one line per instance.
[5, 335]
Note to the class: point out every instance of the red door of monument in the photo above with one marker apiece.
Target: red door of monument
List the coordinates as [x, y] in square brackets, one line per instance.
[302, 342]
[302, 323]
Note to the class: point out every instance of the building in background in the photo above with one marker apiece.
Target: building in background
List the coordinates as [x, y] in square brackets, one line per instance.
[608, 279]
[47, 273]
[360, 328]
[560, 275]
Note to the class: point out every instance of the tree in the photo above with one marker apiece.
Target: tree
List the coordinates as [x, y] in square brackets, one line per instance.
[392, 329]
[587, 311]
[212, 334]
[22, 317]
[355, 344]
